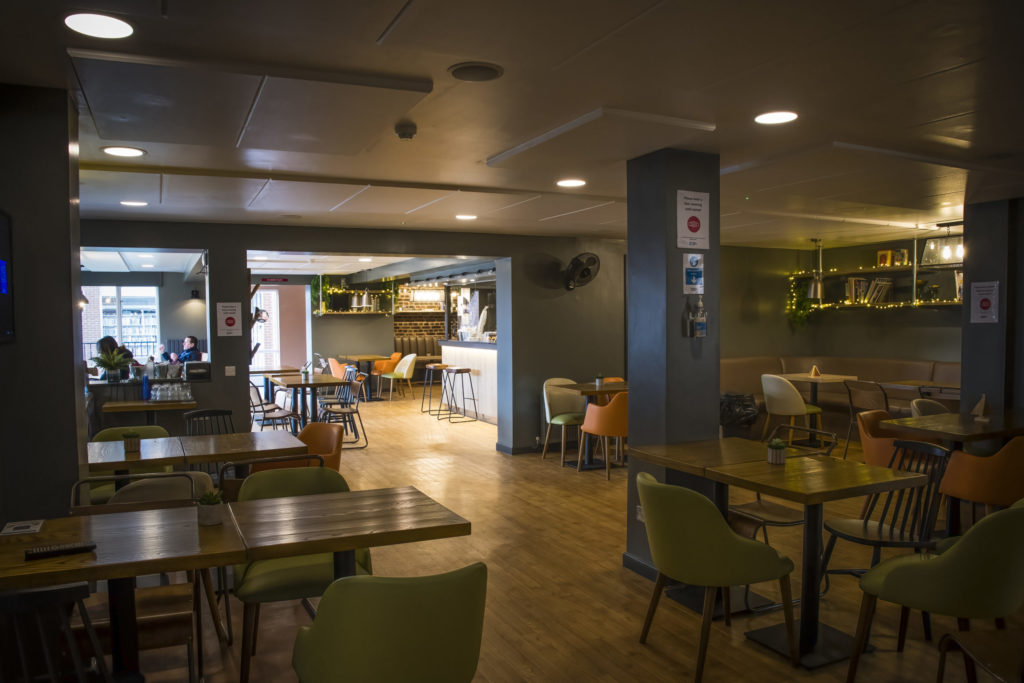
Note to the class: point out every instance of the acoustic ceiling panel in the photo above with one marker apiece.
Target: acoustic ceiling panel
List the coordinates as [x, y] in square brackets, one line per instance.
[547, 206]
[396, 201]
[324, 118]
[210, 192]
[110, 188]
[149, 103]
[303, 198]
[479, 204]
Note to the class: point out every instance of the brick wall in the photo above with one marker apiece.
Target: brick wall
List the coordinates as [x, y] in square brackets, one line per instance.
[429, 324]
[405, 304]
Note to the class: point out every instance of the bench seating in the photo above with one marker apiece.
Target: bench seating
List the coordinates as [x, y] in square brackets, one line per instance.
[427, 350]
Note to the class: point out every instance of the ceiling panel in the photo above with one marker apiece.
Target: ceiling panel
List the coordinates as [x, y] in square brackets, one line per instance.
[210, 192]
[547, 206]
[324, 118]
[268, 262]
[165, 104]
[469, 203]
[106, 189]
[395, 201]
[292, 197]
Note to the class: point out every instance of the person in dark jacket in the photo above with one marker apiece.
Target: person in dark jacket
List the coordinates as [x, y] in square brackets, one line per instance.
[190, 351]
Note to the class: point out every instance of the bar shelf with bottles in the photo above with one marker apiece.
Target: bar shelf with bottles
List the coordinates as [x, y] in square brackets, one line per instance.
[927, 274]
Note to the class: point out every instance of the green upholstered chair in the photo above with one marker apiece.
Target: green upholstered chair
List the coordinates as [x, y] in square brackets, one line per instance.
[561, 407]
[287, 578]
[981, 576]
[691, 542]
[997, 653]
[401, 630]
[402, 372]
[101, 493]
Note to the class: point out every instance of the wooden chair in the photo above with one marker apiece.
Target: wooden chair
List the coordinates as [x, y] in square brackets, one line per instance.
[863, 395]
[607, 421]
[323, 440]
[263, 412]
[208, 421]
[348, 413]
[782, 398]
[993, 482]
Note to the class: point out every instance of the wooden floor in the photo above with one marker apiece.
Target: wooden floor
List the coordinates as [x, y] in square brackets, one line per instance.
[560, 606]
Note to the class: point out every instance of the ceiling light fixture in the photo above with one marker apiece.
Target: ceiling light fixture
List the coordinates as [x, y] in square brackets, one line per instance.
[365, 259]
[465, 217]
[145, 256]
[132, 203]
[148, 265]
[259, 258]
[123, 151]
[773, 118]
[475, 71]
[571, 182]
[98, 25]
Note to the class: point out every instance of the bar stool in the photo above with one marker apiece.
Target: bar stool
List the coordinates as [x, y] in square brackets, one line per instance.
[448, 389]
[430, 370]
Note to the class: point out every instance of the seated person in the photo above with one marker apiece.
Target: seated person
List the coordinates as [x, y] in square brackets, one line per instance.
[108, 344]
[190, 351]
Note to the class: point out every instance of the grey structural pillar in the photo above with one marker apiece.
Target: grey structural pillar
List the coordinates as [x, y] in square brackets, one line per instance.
[226, 282]
[42, 403]
[992, 353]
[673, 377]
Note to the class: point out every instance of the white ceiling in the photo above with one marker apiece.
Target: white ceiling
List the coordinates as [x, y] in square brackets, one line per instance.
[138, 260]
[287, 263]
[283, 113]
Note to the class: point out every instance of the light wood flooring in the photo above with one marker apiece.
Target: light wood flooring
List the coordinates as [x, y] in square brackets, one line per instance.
[560, 606]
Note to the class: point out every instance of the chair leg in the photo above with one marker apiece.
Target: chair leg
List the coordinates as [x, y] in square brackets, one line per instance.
[562, 461]
[764, 431]
[222, 579]
[963, 624]
[901, 634]
[211, 600]
[867, 613]
[926, 624]
[705, 631]
[849, 431]
[825, 560]
[607, 460]
[787, 610]
[248, 631]
[659, 585]
[547, 437]
[579, 456]
[726, 606]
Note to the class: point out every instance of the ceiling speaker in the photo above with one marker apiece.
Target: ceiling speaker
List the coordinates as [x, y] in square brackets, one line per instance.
[582, 269]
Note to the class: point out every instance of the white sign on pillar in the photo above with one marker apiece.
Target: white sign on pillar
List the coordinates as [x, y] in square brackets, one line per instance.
[229, 319]
[985, 302]
[692, 221]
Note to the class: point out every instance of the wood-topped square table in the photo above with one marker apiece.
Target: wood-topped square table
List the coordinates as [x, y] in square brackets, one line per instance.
[811, 481]
[240, 447]
[108, 455]
[147, 407]
[298, 385]
[128, 544]
[960, 428]
[815, 380]
[267, 373]
[341, 522]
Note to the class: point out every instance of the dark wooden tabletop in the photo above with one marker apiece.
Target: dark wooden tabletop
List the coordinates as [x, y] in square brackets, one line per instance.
[127, 544]
[300, 381]
[241, 446]
[166, 450]
[813, 479]
[961, 427]
[140, 406]
[363, 357]
[331, 522]
[590, 389]
[693, 457]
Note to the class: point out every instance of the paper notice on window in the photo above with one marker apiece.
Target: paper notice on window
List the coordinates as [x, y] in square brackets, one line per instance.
[229, 319]
[693, 228]
[985, 302]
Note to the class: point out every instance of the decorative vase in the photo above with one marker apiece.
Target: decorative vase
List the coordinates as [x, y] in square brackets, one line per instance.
[209, 515]
[131, 444]
[776, 456]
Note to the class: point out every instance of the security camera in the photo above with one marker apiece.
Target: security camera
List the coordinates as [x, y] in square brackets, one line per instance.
[405, 130]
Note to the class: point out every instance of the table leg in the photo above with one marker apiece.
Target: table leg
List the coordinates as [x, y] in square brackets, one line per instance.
[268, 389]
[299, 401]
[344, 563]
[150, 417]
[124, 635]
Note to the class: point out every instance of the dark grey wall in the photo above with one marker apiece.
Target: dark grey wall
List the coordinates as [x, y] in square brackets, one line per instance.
[42, 406]
[538, 315]
[337, 334]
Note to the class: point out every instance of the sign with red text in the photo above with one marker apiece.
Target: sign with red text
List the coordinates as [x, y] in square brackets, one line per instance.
[229, 319]
[692, 220]
[984, 302]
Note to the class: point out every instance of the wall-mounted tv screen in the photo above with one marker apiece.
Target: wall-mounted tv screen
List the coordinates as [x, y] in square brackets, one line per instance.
[6, 295]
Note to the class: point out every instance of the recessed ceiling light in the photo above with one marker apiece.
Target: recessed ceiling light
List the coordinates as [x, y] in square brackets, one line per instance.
[475, 71]
[128, 203]
[123, 151]
[148, 265]
[259, 258]
[772, 118]
[98, 25]
[571, 182]
[465, 217]
[365, 259]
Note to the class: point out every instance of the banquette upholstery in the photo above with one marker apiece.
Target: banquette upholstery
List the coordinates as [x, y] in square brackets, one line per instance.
[427, 350]
[743, 375]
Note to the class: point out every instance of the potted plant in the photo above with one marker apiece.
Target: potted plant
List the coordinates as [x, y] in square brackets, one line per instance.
[209, 508]
[112, 362]
[599, 380]
[132, 442]
[777, 452]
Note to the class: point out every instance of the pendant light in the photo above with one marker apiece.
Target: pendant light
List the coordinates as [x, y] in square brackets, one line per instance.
[816, 288]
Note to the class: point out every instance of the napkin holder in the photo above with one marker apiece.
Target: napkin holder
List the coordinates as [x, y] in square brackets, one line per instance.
[815, 372]
[978, 411]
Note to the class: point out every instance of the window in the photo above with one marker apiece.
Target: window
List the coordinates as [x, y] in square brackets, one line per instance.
[131, 315]
[268, 332]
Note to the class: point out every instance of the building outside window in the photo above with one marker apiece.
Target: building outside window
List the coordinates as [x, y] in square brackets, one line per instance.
[131, 315]
[268, 332]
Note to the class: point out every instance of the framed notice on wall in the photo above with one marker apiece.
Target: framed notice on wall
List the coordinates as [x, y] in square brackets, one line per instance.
[985, 302]
[692, 220]
[229, 319]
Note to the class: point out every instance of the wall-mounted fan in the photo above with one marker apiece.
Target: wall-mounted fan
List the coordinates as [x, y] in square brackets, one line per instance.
[582, 269]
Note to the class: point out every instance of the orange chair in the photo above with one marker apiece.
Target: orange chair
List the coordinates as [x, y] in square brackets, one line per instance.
[321, 438]
[876, 439]
[995, 481]
[337, 367]
[607, 421]
[603, 400]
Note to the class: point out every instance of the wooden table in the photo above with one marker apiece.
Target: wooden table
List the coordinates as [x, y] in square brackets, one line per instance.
[959, 428]
[268, 389]
[128, 544]
[240, 447]
[341, 522]
[369, 359]
[926, 388]
[694, 457]
[593, 394]
[815, 380]
[108, 455]
[299, 383]
[811, 481]
[148, 407]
